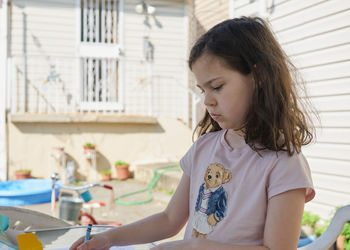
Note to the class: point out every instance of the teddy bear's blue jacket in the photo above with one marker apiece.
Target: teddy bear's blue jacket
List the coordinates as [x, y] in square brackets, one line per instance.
[216, 204]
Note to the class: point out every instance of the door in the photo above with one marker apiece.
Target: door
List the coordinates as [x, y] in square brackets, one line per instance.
[99, 50]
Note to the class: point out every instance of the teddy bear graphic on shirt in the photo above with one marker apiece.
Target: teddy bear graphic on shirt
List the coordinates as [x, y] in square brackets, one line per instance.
[211, 201]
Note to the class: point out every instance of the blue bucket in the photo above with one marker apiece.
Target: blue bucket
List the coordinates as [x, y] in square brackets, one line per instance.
[306, 241]
[86, 196]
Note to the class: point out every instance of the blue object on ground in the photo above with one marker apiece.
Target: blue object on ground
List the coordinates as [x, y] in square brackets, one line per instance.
[86, 196]
[306, 241]
[25, 192]
[4, 222]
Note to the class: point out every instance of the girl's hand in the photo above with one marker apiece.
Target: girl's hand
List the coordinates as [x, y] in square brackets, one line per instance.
[97, 241]
[175, 245]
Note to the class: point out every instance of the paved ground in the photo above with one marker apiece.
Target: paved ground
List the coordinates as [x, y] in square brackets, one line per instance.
[121, 213]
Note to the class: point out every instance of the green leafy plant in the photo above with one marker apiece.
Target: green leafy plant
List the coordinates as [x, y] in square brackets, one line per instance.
[310, 219]
[320, 230]
[106, 171]
[89, 145]
[23, 170]
[120, 163]
[346, 232]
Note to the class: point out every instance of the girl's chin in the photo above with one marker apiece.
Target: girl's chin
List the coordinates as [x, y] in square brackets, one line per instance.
[228, 127]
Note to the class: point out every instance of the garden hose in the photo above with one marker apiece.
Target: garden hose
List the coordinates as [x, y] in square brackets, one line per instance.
[149, 188]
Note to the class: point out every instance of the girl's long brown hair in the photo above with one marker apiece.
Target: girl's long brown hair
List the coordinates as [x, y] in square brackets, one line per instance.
[276, 119]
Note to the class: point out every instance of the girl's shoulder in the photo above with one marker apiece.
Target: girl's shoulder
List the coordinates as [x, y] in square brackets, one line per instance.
[209, 137]
[283, 157]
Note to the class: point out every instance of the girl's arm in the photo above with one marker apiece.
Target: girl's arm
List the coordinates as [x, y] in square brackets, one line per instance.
[282, 227]
[153, 228]
[283, 220]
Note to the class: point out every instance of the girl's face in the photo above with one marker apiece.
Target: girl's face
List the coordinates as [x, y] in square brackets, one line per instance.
[227, 93]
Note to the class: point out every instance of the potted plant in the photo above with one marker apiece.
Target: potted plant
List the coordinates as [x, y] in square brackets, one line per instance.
[106, 174]
[343, 240]
[122, 169]
[22, 174]
[89, 150]
[89, 146]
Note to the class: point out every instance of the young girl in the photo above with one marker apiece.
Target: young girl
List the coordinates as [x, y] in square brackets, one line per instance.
[245, 179]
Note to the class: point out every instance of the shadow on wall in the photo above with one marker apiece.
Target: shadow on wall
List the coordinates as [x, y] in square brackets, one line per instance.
[103, 163]
[32, 143]
[70, 158]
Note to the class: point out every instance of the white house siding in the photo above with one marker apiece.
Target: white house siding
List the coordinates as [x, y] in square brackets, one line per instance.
[1, 6]
[208, 13]
[316, 35]
[3, 99]
[159, 87]
[44, 31]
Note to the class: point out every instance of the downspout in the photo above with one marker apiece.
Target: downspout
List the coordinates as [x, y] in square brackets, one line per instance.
[186, 46]
[3, 89]
[121, 63]
[25, 85]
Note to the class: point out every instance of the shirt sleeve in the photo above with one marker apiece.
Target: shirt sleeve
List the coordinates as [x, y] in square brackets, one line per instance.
[290, 172]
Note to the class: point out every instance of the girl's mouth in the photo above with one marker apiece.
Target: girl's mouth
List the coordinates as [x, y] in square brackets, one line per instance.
[215, 116]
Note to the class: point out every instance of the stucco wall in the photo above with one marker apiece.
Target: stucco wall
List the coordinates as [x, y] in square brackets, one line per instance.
[31, 144]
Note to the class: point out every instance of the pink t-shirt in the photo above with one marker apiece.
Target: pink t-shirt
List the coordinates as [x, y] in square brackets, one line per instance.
[230, 188]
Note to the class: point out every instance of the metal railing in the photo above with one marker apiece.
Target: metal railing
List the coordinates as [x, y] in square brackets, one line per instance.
[71, 85]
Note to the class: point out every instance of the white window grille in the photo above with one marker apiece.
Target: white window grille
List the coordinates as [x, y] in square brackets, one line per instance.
[99, 53]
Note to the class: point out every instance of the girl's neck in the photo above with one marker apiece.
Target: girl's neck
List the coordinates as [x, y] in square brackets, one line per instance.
[235, 138]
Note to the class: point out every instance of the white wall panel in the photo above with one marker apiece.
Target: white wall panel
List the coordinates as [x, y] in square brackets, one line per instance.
[323, 56]
[319, 26]
[334, 119]
[327, 88]
[328, 151]
[329, 167]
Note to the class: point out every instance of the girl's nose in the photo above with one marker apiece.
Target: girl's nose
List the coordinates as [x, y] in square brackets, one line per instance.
[209, 100]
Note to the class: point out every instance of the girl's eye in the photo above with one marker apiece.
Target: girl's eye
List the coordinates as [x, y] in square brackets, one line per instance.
[217, 88]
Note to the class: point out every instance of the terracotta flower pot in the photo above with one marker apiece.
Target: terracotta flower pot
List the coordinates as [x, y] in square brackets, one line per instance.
[106, 177]
[20, 175]
[89, 147]
[122, 172]
[340, 242]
